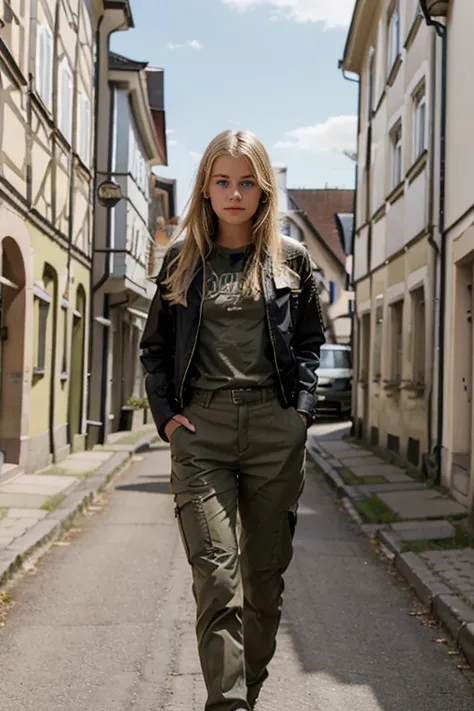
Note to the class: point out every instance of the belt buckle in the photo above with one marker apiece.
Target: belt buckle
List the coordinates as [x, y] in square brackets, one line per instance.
[235, 397]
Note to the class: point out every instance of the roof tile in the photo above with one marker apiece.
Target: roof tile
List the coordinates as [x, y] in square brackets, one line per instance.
[321, 207]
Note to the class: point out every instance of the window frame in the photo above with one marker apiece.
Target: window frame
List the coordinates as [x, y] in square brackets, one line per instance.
[419, 127]
[65, 74]
[396, 159]
[418, 329]
[65, 329]
[396, 341]
[84, 128]
[393, 40]
[42, 301]
[378, 340]
[370, 84]
[44, 65]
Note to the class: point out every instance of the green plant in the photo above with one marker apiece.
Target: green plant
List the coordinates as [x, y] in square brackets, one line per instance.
[462, 539]
[354, 480]
[52, 503]
[374, 510]
[138, 403]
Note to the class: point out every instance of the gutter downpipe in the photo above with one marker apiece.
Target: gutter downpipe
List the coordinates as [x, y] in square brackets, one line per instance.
[435, 458]
[95, 286]
[354, 210]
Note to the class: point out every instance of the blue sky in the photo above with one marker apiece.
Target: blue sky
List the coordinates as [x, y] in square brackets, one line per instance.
[265, 65]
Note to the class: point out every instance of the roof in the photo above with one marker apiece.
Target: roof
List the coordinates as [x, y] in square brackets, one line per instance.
[321, 208]
[124, 64]
[121, 4]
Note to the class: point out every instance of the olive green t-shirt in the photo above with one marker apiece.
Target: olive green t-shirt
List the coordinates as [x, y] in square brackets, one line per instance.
[233, 349]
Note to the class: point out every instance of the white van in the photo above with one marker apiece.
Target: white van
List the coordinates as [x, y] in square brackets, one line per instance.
[334, 390]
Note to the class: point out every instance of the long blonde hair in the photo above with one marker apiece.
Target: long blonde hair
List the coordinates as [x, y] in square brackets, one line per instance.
[200, 222]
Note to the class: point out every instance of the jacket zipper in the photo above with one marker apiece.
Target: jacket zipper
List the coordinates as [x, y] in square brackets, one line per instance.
[270, 330]
[181, 392]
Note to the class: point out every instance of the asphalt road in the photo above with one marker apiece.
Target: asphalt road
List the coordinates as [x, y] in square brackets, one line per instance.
[105, 622]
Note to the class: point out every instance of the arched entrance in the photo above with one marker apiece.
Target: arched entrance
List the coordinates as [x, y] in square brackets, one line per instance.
[12, 345]
[76, 373]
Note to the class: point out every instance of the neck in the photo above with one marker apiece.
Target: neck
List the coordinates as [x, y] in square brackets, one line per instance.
[234, 236]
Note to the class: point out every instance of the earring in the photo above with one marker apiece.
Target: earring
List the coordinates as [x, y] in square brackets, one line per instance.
[265, 199]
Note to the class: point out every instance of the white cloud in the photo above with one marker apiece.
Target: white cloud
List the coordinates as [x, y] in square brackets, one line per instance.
[169, 131]
[337, 134]
[192, 44]
[195, 156]
[333, 13]
[172, 143]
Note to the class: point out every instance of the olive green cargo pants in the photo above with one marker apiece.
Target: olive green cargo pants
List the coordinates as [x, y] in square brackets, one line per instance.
[246, 457]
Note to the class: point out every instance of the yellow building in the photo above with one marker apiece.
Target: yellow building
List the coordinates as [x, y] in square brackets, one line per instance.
[392, 51]
[47, 76]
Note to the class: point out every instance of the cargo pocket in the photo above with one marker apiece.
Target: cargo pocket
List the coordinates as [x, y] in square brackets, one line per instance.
[193, 526]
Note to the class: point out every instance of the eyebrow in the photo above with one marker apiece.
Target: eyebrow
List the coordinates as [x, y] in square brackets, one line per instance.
[244, 177]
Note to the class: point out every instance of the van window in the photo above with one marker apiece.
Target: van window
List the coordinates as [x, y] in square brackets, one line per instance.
[335, 358]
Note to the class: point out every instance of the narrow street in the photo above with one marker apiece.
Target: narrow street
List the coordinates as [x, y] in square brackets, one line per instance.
[105, 621]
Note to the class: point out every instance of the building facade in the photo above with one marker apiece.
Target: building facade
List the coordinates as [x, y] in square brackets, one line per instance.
[455, 426]
[319, 215]
[315, 218]
[394, 54]
[46, 185]
[132, 106]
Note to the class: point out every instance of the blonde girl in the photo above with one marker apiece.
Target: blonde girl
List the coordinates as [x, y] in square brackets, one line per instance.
[231, 349]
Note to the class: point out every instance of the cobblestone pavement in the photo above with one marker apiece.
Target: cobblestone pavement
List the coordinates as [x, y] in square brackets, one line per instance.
[455, 568]
[105, 621]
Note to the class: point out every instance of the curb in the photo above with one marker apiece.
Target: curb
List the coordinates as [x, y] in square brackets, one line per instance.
[446, 607]
[59, 520]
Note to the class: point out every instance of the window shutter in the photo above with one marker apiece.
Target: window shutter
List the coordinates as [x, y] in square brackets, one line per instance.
[48, 69]
[87, 131]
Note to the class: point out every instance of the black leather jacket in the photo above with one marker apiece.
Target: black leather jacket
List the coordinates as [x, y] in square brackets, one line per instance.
[295, 326]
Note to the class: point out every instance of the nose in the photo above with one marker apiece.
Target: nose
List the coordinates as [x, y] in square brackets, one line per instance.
[236, 194]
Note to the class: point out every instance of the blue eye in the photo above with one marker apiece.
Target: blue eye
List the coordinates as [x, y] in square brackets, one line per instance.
[222, 182]
[248, 184]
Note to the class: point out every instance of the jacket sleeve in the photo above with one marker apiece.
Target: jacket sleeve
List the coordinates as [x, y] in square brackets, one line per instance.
[158, 351]
[307, 340]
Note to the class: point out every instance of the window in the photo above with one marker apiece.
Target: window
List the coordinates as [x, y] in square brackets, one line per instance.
[393, 43]
[396, 143]
[42, 304]
[65, 100]
[364, 347]
[419, 335]
[396, 341]
[44, 65]
[378, 332]
[419, 122]
[371, 84]
[64, 313]
[84, 133]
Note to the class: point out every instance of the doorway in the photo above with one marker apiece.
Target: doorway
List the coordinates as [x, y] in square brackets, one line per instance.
[462, 381]
[12, 344]
[76, 375]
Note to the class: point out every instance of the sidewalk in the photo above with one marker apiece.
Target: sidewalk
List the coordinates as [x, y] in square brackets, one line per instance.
[420, 529]
[36, 508]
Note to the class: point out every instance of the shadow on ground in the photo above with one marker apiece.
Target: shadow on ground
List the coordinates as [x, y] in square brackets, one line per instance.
[153, 484]
[350, 626]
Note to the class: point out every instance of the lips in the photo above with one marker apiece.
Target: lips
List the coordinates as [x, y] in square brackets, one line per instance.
[234, 209]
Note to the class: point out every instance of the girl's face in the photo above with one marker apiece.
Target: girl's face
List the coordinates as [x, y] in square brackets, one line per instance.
[233, 190]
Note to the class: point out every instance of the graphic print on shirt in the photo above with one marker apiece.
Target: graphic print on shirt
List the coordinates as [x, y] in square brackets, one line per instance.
[225, 287]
